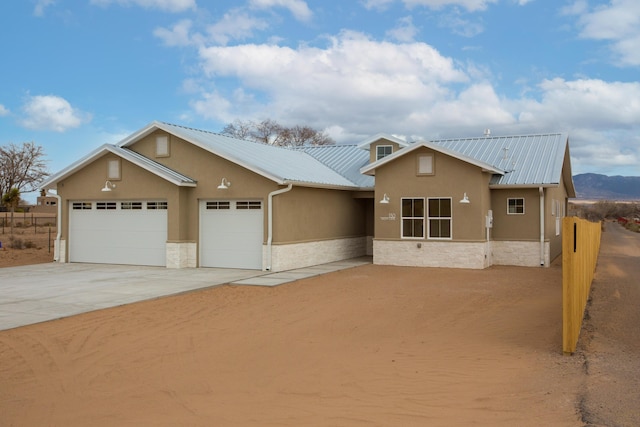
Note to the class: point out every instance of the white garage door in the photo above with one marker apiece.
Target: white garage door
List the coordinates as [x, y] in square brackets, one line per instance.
[132, 232]
[231, 234]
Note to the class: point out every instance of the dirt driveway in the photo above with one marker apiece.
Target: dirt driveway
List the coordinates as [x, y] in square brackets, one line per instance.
[371, 345]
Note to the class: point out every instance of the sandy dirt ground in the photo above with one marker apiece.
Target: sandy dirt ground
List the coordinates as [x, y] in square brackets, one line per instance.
[41, 252]
[373, 345]
[610, 339]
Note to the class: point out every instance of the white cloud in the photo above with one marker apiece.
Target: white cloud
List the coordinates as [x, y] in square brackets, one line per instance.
[298, 8]
[235, 25]
[470, 5]
[49, 112]
[405, 31]
[41, 5]
[377, 4]
[460, 26]
[166, 5]
[178, 35]
[617, 22]
[4, 111]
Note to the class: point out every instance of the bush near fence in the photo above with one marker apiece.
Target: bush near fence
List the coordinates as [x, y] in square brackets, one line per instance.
[580, 248]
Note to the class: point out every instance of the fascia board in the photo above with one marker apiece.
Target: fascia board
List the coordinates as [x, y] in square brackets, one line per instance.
[73, 167]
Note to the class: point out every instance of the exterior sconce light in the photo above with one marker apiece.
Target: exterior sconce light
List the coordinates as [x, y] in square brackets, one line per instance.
[109, 186]
[385, 199]
[465, 199]
[224, 185]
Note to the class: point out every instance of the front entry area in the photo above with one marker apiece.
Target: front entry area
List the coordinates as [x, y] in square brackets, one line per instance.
[122, 232]
[231, 233]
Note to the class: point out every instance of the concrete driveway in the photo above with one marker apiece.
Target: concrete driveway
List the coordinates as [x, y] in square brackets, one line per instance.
[37, 293]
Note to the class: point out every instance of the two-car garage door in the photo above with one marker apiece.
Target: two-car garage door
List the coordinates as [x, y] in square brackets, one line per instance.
[123, 232]
[135, 233]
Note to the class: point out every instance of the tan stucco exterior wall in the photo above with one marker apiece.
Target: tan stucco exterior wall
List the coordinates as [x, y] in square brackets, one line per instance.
[521, 227]
[373, 148]
[307, 214]
[452, 178]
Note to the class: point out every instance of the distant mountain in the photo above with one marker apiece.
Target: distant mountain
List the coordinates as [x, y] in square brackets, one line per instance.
[595, 186]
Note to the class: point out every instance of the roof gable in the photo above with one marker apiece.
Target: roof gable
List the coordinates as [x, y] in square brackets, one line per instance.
[370, 169]
[366, 144]
[518, 160]
[131, 156]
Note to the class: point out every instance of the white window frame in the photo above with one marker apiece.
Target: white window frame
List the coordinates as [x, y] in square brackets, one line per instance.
[440, 218]
[515, 213]
[412, 218]
[378, 154]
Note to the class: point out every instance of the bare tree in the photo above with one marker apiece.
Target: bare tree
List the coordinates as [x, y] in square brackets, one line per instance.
[22, 167]
[271, 132]
[12, 199]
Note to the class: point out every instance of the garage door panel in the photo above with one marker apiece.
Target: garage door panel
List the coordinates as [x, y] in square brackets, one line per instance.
[118, 236]
[231, 238]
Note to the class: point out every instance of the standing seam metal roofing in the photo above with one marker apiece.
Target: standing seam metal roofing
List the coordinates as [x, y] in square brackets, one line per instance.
[344, 159]
[278, 163]
[528, 159]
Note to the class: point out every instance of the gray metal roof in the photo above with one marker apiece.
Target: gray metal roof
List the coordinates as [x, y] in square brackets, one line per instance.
[344, 159]
[528, 160]
[280, 164]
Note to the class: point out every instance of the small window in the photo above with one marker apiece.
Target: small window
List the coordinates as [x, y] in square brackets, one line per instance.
[413, 218]
[106, 205]
[156, 205]
[218, 205]
[383, 151]
[131, 205]
[162, 146]
[82, 206]
[248, 205]
[425, 164]
[113, 169]
[439, 214]
[515, 206]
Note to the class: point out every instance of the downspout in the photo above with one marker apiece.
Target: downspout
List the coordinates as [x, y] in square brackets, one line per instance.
[270, 222]
[541, 190]
[56, 252]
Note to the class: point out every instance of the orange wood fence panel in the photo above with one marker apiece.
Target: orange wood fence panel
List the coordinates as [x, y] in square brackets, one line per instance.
[580, 248]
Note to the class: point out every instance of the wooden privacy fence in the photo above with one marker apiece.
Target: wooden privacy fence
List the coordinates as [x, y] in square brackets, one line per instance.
[580, 247]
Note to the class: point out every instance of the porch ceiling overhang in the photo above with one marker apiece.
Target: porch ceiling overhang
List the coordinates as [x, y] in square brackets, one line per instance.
[149, 165]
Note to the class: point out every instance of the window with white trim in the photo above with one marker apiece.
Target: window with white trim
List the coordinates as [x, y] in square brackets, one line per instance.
[515, 206]
[113, 169]
[412, 218]
[106, 205]
[383, 151]
[156, 205]
[439, 216]
[218, 205]
[249, 205]
[81, 206]
[131, 205]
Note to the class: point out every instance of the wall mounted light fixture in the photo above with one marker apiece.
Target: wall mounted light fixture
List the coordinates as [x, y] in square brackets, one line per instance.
[385, 199]
[465, 199]
[224, 185]
[109, 186]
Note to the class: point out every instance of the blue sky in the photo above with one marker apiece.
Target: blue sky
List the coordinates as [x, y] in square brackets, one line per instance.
[77, 74]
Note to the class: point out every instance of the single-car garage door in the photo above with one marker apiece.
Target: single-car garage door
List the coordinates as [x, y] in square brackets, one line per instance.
[131, 232]
[231, 233]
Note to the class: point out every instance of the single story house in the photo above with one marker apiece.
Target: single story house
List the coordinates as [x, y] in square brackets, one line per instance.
[178, 197]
